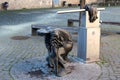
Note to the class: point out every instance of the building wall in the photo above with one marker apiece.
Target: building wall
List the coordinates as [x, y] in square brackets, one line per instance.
[73, 1]
[94, 1]
[70, 1]
[28, 4]
[100, 1]
[78, 1]
[56, 3]
[90, 1]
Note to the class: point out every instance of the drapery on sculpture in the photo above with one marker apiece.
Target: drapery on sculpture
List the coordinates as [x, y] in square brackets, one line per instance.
[92, 11]
[58, 43]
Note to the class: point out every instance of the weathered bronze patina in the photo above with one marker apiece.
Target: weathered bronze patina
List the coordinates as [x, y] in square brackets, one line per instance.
[58, 43]
[92, 13]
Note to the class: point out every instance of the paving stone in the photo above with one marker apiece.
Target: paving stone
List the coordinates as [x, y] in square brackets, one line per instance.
[12, 51]
[81, 71]
[118, 77]
[113, 77]
[20, 51]
[5, 75]
[104, 79]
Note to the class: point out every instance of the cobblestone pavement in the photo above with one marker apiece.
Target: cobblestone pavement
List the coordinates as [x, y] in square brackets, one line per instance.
[110, 54]
[12, 51]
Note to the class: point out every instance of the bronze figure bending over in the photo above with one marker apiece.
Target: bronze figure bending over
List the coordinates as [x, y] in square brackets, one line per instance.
[59, 43]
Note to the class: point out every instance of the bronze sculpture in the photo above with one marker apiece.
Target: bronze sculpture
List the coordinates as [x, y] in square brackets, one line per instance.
[58, 43]
[92, 11]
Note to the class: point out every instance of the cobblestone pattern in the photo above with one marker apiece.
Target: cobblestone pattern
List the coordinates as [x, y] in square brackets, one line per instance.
[110, 54]
[12, 51]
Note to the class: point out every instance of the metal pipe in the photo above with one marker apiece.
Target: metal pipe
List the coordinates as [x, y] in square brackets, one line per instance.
[70, 11]
[77, 10]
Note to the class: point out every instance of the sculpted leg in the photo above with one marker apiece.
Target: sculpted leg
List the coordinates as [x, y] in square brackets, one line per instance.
[60, 53]
[59, 44]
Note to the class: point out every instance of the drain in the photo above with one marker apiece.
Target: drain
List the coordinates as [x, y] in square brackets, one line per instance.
[105, 33]
[118, 33]
[20, 37]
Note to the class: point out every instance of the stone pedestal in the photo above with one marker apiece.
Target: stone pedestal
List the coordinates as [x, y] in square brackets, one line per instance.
[89, 39]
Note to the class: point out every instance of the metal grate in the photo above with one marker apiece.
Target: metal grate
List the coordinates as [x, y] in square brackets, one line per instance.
[118, 33]
[20, 37]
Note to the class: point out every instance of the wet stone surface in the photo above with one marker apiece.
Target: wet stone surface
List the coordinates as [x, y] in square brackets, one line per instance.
[37, 69]
[20, 37]
[18, 23]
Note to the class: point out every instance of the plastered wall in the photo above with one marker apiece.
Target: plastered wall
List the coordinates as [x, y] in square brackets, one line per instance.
[27, 4]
